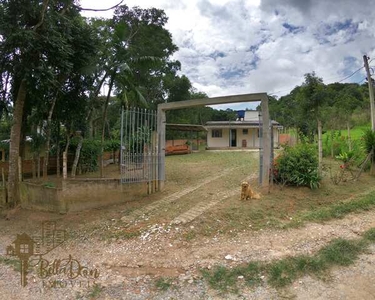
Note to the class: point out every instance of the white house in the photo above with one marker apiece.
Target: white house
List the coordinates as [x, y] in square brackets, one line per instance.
[242, 133]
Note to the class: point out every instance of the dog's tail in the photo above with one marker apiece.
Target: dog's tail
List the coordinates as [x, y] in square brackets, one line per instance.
[256, 196]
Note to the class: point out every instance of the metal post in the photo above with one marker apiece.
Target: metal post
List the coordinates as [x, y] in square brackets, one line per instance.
[260, 148]
[121, 144]
[161, 147]
[272, 154]
[371, 91]
[266, 143]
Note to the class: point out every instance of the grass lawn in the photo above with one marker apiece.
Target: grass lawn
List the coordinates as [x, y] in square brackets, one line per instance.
[282, 207]
[355, 133]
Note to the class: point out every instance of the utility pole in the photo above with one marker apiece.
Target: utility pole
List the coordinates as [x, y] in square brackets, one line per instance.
[371, 91]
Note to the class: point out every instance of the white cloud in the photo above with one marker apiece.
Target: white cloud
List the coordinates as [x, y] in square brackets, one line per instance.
[237, 46]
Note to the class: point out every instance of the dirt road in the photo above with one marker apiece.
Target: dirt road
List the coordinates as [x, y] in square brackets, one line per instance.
[134, 245]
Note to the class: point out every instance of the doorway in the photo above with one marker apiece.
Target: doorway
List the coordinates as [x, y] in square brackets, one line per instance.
[233, 138]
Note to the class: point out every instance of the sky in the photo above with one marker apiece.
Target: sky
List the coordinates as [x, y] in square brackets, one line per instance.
[229, 47]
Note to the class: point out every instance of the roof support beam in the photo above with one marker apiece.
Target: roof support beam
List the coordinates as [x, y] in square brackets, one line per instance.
[213, 101]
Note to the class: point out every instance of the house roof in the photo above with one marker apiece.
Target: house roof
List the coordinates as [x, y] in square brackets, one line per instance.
[186, 127]
[22, 238]
[248, 124]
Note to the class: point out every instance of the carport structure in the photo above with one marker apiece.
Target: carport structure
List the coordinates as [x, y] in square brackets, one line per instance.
[190, 128]
[265, 159]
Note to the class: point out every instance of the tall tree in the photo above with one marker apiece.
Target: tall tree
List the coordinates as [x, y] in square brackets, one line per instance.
[313, 97]
[347, 100]
[36, 53]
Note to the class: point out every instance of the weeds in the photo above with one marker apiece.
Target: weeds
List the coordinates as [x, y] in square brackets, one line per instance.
[339, 252]
[95, 291]
[335, 211]
[163, 284]
[15, 263]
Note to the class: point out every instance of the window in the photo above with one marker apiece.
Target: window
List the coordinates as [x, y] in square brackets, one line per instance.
[245, 131]
[217, 133]
[24, 248]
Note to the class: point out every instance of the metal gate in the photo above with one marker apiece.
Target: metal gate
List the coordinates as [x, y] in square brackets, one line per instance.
[139, 148]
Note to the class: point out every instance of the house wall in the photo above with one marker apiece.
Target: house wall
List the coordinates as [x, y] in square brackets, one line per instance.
[252, 139]
[222, 142]
[251, 115]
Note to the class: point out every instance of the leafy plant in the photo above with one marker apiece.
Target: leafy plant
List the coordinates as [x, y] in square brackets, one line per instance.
[163, 284]
[348, 159]
[49, 185]
[369, 140]
[345, 157]
[297, 166]
[88, 160]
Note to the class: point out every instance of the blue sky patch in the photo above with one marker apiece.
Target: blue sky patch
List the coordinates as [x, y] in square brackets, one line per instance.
[217, 54]
[293, 29]
[347, 25]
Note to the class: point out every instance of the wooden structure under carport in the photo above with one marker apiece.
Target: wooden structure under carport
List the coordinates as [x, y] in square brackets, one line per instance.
[187, 128]
[266, 147]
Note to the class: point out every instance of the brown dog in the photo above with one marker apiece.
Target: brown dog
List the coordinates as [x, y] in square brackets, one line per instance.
[247, 192]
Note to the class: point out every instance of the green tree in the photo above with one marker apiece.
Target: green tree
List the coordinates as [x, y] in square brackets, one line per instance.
[313, 98]
[34, 54]
[347, 100]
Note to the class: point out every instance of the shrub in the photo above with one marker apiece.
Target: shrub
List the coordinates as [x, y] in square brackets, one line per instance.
[88, 159]
[369, 140]
[297, 166]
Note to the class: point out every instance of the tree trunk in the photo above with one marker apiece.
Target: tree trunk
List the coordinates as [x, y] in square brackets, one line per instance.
[65, 165]
[349, 137]
[104, 122]
[65, 157]
[19, 168]
[58, 151]
[15, 135]
[38, 159]
[89, 118]
[320, 148]
[48, 138]
[76, 157]
[34, 165]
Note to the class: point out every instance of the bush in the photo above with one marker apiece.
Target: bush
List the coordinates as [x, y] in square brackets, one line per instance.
[88, 159]
[297, 166]
[112, 145]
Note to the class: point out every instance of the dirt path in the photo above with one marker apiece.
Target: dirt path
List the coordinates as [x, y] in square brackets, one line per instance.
[156, 206]
[131, 265]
